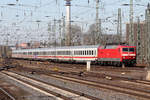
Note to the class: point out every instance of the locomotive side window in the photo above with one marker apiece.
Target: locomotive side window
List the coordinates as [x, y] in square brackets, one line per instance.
[131, 49]
[125, 49]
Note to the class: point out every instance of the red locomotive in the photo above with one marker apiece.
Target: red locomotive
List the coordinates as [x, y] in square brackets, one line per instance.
[117, 55]
[109, 54]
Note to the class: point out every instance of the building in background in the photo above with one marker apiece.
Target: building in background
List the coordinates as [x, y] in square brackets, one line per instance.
[142, 31]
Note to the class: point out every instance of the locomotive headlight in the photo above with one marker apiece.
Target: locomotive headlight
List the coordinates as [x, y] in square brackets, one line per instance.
[124, 57]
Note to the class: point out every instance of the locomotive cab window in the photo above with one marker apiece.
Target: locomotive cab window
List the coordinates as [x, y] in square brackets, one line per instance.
[125, 49]
[131, 49]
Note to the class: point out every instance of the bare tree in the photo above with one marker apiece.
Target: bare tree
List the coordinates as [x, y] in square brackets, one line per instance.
[76, 35]
[90, 36]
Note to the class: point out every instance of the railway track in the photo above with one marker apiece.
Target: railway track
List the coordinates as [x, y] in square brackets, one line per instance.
[120, 89]
[47, 89]
[91, 74]
[4, 95]
[129, 91]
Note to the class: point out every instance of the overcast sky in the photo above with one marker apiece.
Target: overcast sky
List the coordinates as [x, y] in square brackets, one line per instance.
[18, 22]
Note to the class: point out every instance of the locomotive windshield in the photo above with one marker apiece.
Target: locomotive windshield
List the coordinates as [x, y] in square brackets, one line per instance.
[125, 49]
[128, 49]
[131, 49]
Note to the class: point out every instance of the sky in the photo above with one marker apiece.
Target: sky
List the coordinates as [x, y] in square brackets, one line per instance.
[18, 23]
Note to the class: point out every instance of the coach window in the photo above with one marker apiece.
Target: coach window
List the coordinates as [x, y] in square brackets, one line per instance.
[48, 52]
[58, 52]
[53, 52]
[69, 52]
[90, 52]
[44, 53]
[34, 53]
[95, 52]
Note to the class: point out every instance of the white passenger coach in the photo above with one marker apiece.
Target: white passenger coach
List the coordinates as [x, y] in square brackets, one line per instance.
[72, 53]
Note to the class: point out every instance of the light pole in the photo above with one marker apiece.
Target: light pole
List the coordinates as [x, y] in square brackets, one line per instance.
[68, 23]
